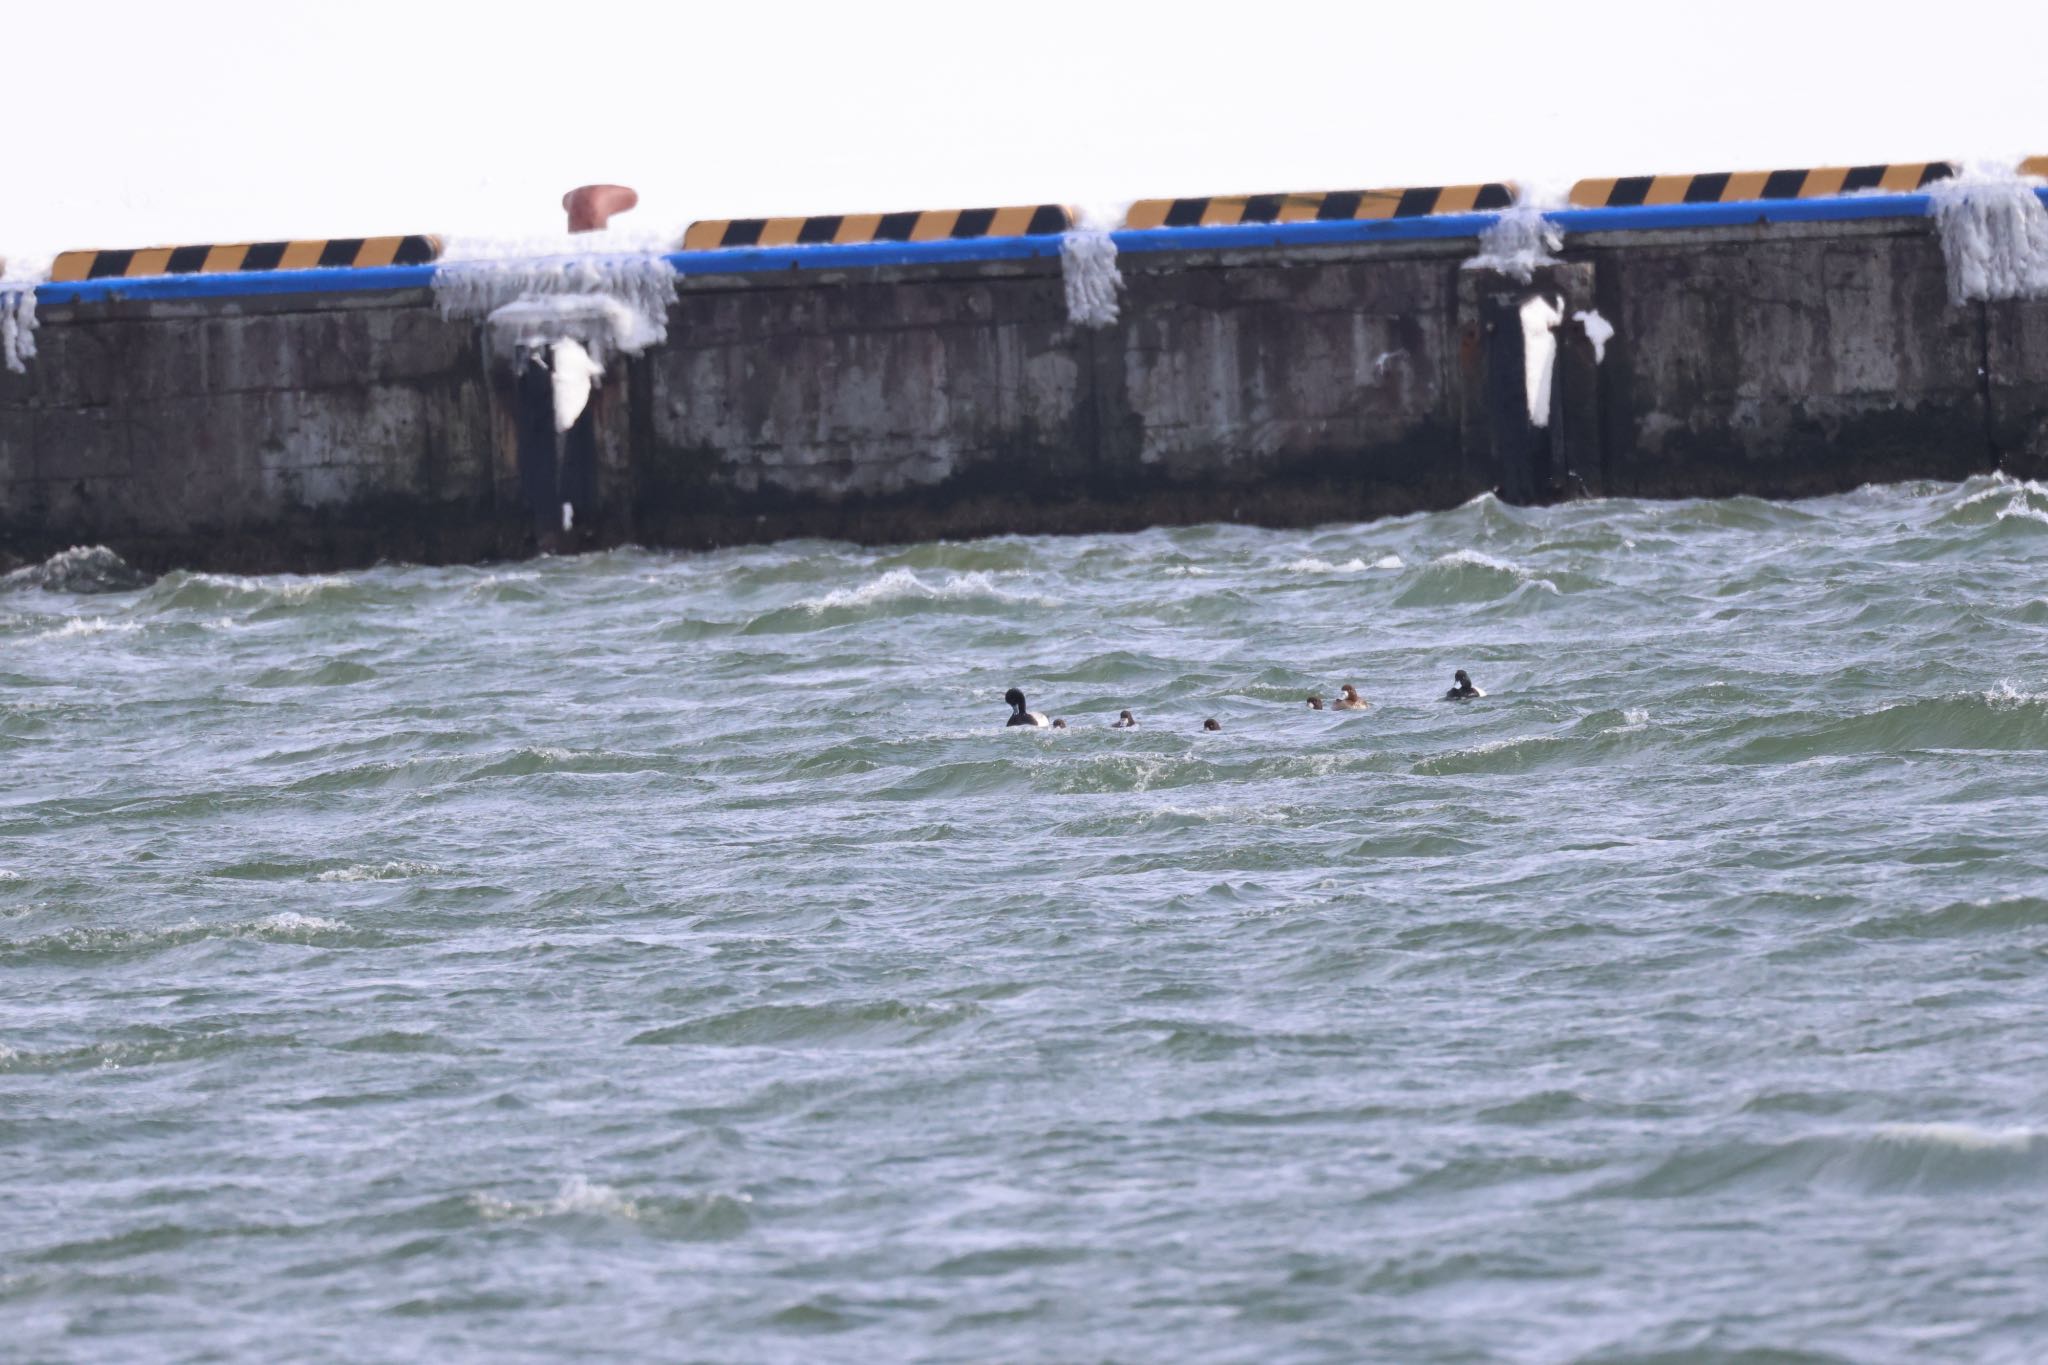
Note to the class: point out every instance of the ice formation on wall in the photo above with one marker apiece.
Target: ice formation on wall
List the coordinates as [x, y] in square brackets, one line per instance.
[1598, 330]
[1994, 236]
[575, 375]
[621, 301]
[1088, 263]
[1520, 240]
[1540, 317]
[17, 324]
[572, 313]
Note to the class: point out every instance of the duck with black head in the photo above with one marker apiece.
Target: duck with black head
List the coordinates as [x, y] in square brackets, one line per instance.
[1125, 721]
[1020, 716]
[1462, 688]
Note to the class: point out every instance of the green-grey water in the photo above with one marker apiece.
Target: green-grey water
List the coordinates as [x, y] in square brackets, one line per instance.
[650, 956]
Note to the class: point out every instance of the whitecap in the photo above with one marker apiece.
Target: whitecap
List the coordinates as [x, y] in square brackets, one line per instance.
[903, 585]
[80, 569]
[1324, 566]
[1480, 559]
[77, 626]
[290, 923]
[379, 872]
[1388, 561]
[1961, 1136]
[2020, 507]
[2005, 695]
[577, 1195]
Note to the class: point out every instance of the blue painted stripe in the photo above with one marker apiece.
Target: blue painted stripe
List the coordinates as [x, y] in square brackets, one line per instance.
[152, 287]
[873, 255]
[1243, 235]
[756, 260]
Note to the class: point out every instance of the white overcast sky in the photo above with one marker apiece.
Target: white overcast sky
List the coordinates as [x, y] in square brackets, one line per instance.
[218, 120]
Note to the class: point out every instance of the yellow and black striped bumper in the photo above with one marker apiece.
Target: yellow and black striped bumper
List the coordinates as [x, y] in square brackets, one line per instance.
[1326, 206]
[1727, 187]
[342, 252]
[848, 229]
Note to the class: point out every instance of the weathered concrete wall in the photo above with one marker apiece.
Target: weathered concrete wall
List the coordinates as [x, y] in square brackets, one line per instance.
[873, 409]
[2015, 340]
[1785, 360]
[271, 435]
[1282, 384]
[1279, 389]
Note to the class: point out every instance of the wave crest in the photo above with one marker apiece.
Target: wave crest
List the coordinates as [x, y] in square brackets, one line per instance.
[80, 569]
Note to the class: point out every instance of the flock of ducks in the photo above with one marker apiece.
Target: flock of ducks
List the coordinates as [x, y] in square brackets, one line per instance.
[1462, 689]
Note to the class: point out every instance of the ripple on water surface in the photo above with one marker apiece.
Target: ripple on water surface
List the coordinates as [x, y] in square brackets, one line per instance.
[674, 955]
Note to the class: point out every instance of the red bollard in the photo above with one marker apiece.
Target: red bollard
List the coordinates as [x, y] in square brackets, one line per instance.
[591, 206]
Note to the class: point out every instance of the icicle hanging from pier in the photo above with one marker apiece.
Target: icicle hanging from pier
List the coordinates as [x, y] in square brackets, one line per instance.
[17, 324]
[1520, 240]
[1088, 263]
[609, 303]
[1994, 236]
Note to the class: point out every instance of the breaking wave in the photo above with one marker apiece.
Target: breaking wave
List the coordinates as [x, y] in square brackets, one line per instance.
[895, 592]
[80, 569]
[1467, 576]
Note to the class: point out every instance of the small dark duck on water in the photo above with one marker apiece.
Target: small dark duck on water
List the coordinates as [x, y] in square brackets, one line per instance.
[1462, 688]
[1125, 721]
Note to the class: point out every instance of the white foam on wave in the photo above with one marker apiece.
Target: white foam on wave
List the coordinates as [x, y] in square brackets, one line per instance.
[2020, 507]
[1996, 485]
[2006, 694]
[1388, 561]
[482, 586]
[1479, 559]
[77, 626]
[290, 924]
[1232, 813]
[1324, 566]
[81, 568]
[1965, 1137]
[293, 591]
[903, 585]
[378, 872]
[577, 1195]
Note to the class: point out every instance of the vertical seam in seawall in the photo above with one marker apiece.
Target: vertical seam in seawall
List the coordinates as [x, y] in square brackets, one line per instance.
[1984, 385]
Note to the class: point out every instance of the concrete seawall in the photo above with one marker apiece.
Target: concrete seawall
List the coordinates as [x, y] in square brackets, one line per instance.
[1284, 374]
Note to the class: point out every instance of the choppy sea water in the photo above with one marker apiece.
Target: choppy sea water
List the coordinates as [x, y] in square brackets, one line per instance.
[672, 956]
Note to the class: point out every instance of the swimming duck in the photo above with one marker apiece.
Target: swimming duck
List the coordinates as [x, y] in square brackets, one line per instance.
[1210, 724]
[1350, 701]
[1059, 723]
[1018, 715]
[1125, 721]
[1462, 688]
[1315, 703]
